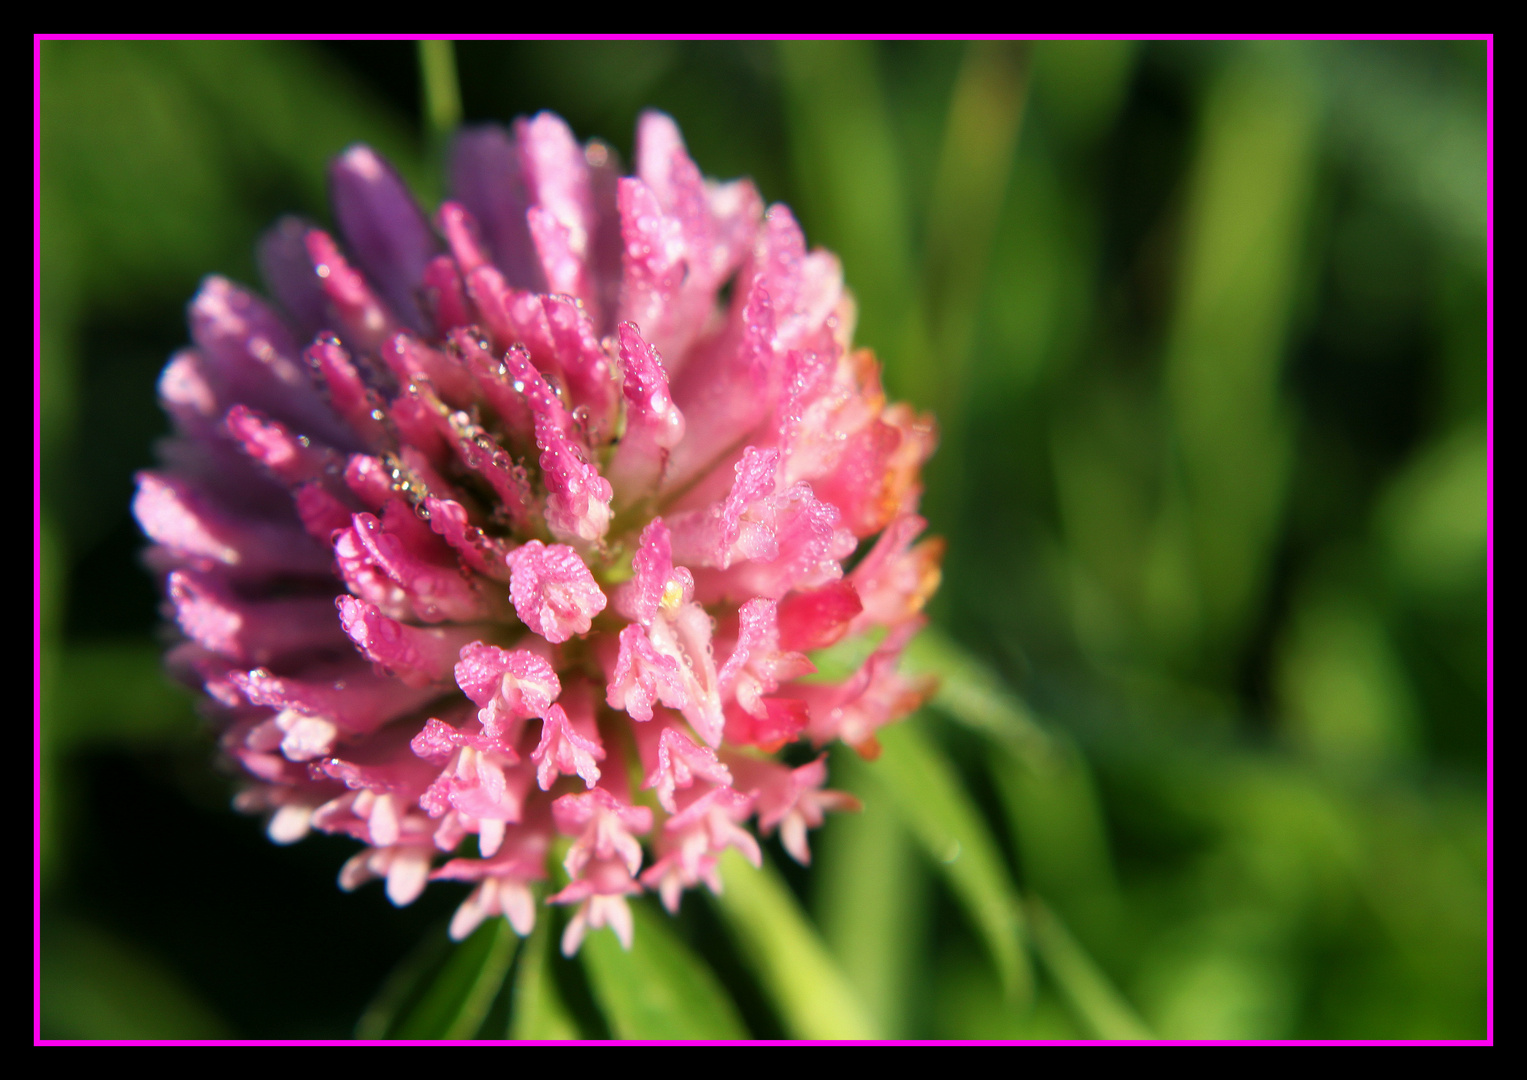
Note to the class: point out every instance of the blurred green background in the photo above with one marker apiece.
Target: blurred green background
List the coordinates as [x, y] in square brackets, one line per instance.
[1205, 329]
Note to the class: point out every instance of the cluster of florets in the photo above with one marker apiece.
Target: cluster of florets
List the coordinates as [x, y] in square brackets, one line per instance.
[534, 538]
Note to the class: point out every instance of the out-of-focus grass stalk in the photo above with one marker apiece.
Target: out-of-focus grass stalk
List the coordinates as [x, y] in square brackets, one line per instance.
[1243, 244]
[852, 196]
[441, 91]
[401, 987]
[1088, 991]
[931, 798]
[870, 900]
[537, 1008]
[813, 998]
[975, 162]
[457, 1001]
[658, 988]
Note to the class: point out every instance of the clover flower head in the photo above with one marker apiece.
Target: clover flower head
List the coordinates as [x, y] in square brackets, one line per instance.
[512, 525]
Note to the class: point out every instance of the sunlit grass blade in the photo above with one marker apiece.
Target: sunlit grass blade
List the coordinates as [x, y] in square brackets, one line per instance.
[441, 92]
[1247, 217]
[1097, 1004]
[1056, 822]
[975, 162]
[931, 799]
[852, 197]
[870, 898]
[659, 989]
[538, 1011]
[457, 1001]
[809, 992]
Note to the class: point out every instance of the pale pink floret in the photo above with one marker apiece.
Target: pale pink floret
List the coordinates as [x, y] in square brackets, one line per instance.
[313, 711]
[671, 660]
[874, 696]
[674, 761]
[605, 827]
[483, 783]
[791, 800]
[503, 883]
[896, 579]
[509, 686]
[553, 592]
[601, 898]
[758, 666]
[564, 750]
[408, 527]
[693, 840]
[405, 867]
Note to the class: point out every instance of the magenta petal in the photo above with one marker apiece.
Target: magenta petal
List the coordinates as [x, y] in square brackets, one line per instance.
[252, 359]
[354, 700]
[288, 272]
[557, 181]
[383, 225]
[348, 393]
[292, 459]
[415, 655]
[654, 425]
[592, 381]
[487, 179]
[461, 235]
[816, 618]
[410, 358]
[483, 553]
[385, 568]
[578, 499]
[251, 631]
[197, 531]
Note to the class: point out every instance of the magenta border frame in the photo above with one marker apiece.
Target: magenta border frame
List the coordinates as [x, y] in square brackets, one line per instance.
[1487, 38]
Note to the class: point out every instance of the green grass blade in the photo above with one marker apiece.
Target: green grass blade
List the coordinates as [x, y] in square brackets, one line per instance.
[441, 91]
[1097, 1004]
[538, 1009]
[813, 998]
[931, 799]
[458, 999]
[851, 197]
[659, 989]
[870, 897]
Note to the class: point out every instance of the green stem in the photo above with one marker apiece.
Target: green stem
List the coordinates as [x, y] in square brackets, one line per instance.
[442, 90]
